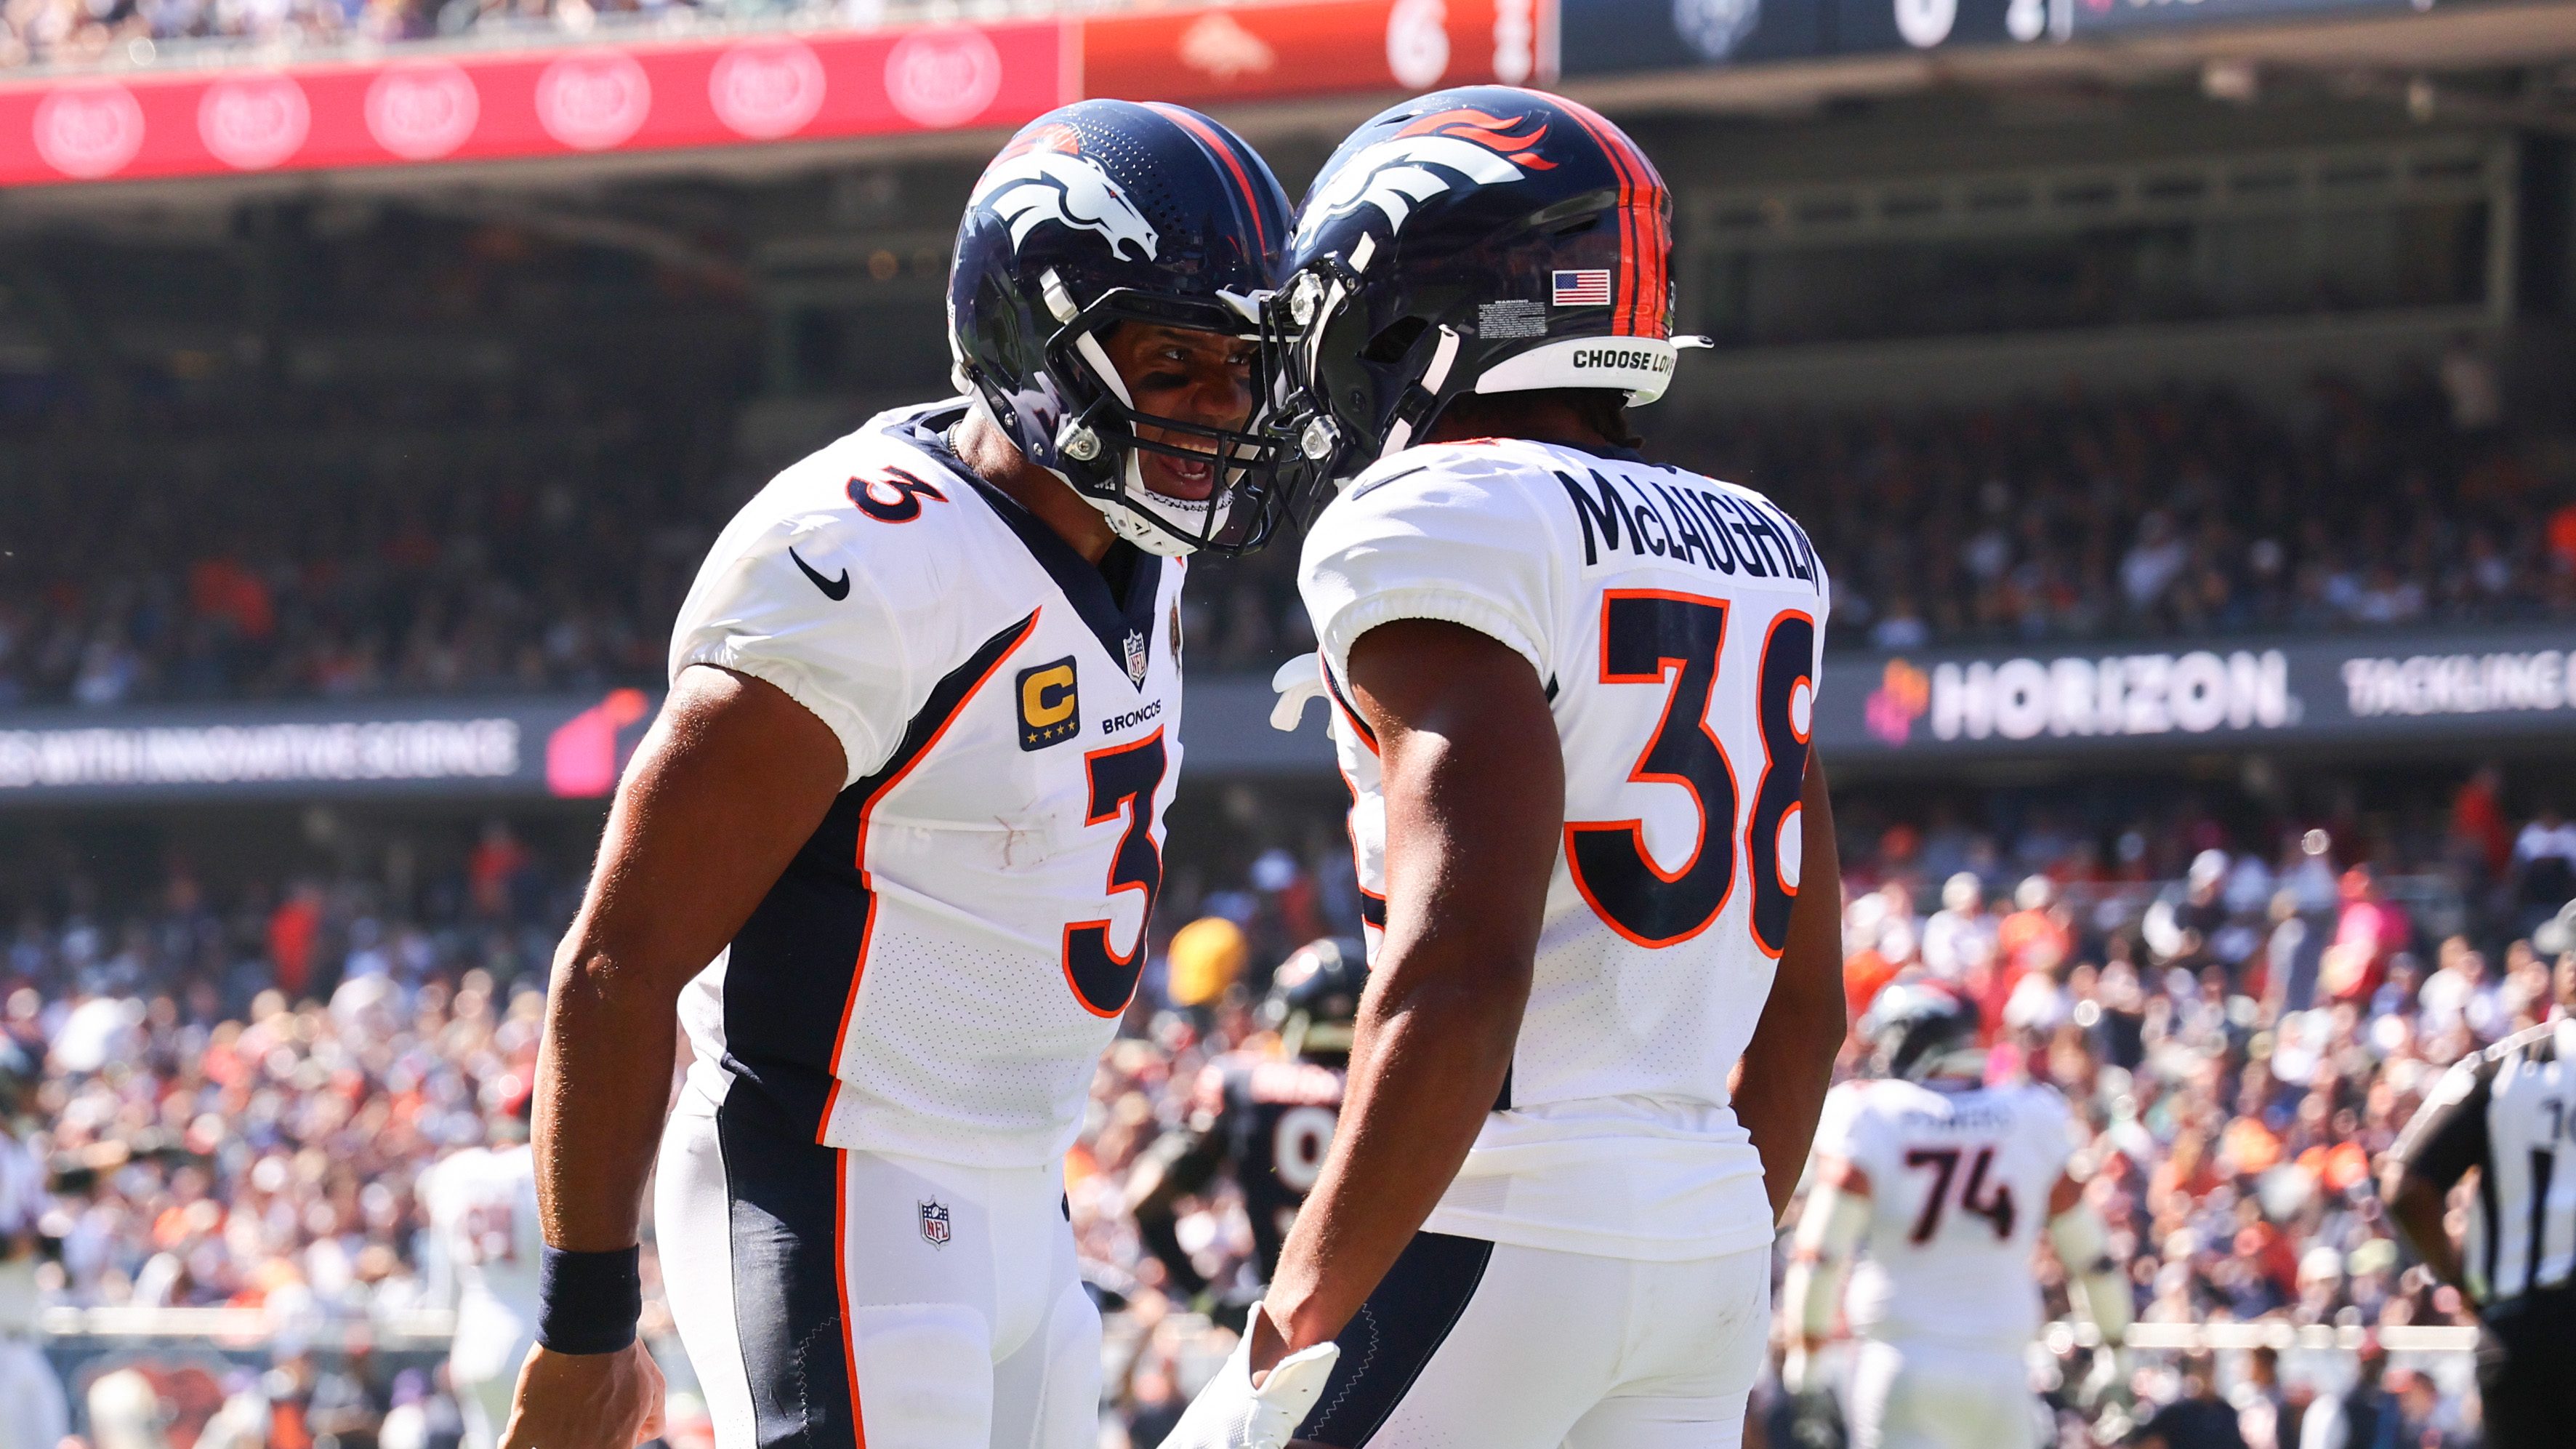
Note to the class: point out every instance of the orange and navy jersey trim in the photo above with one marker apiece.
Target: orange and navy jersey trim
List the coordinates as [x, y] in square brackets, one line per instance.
[792, 980]
[948, 700]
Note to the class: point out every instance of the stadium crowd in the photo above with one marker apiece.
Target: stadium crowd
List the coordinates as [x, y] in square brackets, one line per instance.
[237, 1096]
[544, 541]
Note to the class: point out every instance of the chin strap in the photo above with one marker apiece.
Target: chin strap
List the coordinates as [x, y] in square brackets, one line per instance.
[2084, 1246]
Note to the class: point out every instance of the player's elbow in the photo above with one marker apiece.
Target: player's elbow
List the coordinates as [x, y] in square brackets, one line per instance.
[1477, 1009]
[596, 981]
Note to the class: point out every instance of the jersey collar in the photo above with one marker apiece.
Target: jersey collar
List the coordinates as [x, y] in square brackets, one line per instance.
[1125, 629]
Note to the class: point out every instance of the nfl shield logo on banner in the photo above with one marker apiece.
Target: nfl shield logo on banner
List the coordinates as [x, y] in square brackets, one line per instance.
[1136, 657]
[934, 1224]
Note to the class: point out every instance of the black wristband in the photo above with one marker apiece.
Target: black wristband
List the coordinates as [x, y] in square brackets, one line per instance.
[588, 1302]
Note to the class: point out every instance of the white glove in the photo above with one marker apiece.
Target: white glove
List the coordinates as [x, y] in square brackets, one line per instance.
[2107, 1386]
[1298, 683]
[1231, 1414]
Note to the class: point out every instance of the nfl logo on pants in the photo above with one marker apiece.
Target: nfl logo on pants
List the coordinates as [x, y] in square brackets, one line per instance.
[934, 1224]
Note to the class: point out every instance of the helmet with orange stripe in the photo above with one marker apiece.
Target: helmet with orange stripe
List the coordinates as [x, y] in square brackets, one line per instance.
[1109, 214]
[1486, 239]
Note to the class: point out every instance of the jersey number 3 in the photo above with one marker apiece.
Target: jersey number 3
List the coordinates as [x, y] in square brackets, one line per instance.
[1123, 784]
[1655, 637]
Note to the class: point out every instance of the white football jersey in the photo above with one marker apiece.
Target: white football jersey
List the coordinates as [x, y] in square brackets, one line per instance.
[1677, 624]
[22, 1203]
[1959, 1181]
[483, 1222]
[941, 966]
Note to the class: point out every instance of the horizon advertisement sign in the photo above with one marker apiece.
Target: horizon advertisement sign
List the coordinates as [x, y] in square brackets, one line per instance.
[2466, 688]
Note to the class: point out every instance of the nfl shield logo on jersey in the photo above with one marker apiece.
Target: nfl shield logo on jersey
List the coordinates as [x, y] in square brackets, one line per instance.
[1136, 657]
[934, 1224]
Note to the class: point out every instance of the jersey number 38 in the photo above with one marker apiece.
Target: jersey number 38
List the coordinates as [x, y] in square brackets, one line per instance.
[1674, 640]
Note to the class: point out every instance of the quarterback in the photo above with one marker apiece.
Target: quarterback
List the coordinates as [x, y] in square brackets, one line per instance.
[1572, 695]
[892, 845]
[1949, 1183]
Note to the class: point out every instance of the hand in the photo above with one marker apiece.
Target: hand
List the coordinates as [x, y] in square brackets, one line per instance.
[1797, 1367]
[2107, 1385]
[586, 1400]
[1231, 1414]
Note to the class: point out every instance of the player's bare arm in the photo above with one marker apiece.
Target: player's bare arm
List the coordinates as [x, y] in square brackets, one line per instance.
[1829, 1229]
[1779, 1087]
[733, 777]
[2416, 1206]
[1475, 800]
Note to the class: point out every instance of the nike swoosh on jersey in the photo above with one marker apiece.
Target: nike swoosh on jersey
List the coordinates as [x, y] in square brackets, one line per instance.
[833, 589]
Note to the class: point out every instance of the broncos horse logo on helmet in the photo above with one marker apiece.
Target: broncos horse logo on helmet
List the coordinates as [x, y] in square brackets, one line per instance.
[1045, 177]
[1408, 167]
[1484, 239]
[1111, 212]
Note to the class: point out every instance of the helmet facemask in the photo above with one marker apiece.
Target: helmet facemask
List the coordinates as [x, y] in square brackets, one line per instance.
[1409, 360]
[1101, 439]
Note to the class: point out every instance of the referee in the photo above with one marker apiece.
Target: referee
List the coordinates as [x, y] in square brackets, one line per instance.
[2507, 1112]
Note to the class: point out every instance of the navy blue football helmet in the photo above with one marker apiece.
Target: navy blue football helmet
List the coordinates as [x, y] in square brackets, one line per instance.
[1481, 239]
[1314, 998]
[1107, 212]
[1922, 1028]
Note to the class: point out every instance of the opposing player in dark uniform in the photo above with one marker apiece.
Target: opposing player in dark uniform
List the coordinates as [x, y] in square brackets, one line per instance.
[1266, 1121]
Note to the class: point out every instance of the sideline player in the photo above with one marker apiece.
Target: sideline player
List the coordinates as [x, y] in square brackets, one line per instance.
[482, 1205]
[1573, 697]
[907, 798]
[1949, 1182]
[1266, 1121]
[34, 1414]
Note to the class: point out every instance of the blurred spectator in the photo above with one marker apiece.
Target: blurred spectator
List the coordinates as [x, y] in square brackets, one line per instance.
[2544, 864]
[2196, 1419]
[2368, 932]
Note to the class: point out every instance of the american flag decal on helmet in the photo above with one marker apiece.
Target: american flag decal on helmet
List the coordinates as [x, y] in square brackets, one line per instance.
[1590, 288]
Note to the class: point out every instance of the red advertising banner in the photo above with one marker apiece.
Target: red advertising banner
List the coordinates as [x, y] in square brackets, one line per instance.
[1312, 47]
[598, 98]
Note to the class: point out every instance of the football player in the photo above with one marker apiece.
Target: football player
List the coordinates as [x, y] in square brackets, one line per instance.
[482, 1204]
[1266, 1121]
[1573, 690]
[1949, 1182]
[898, 831]
[34, 1414]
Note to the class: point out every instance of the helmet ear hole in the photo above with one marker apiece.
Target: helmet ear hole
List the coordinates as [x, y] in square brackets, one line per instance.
[1389, 346]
